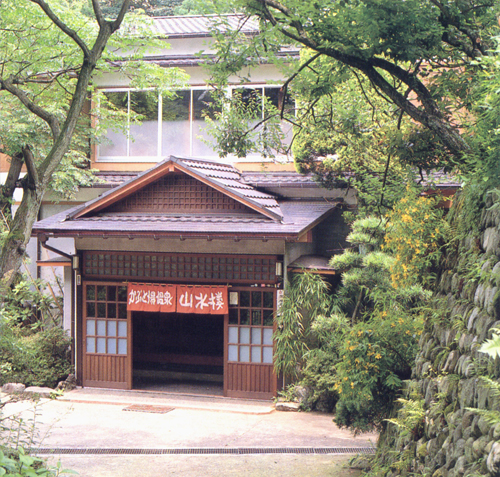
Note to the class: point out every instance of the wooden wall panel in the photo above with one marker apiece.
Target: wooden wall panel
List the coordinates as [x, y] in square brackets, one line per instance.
[250, 380]
[106, 371]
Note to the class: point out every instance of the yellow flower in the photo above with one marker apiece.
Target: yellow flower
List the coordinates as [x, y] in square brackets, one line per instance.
[352, 384]
[378, 356]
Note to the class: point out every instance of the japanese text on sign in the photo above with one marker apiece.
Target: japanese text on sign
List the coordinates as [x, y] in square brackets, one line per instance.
[177, 298]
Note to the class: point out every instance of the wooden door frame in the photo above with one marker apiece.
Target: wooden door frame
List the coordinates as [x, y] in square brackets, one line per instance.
[127, 384]
[274, 377]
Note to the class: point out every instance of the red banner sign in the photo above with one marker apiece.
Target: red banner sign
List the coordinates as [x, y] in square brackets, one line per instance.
[160, 298]
[209, 300]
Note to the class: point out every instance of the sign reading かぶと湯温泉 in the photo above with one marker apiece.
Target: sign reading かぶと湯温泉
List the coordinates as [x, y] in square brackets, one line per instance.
[206, 300]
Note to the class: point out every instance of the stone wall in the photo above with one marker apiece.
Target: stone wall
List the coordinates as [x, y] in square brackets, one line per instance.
[452, 440]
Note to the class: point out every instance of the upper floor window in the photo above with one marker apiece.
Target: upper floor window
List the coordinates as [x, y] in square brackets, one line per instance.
[169, 126]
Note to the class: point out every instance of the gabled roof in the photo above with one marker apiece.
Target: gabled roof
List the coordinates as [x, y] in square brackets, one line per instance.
[222, 177]
[261, 216]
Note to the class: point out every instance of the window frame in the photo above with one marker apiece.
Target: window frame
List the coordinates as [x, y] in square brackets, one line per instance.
[128, 158]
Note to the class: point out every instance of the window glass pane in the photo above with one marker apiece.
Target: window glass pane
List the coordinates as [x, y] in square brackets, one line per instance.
[257, 299]
[232, 334]
[267, 355]
[244, 317]
[175, 124]
[111, 328]
[268, 300]
[256, 317]
[101, 293]
[90, 345]
[101, 345]
[90, 309]
[101, 327]
[268, 336]
[122, 328]
[111, 293]
[257, 336]
[91, 292]
[233, 316]
[245, 298]
[111, 310]
[232, 353]
[122, 294]
[203, 106]
[101, 310]
[122, 346]
[144, 136]
[122, 310]
[245, 335]
[276, 98]
[91, 327]
[245, 354]
[111, 346]
[256, 354]
[268, 317]
[115, 142]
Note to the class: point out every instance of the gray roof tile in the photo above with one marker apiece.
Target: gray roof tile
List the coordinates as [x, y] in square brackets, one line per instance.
[298, 216]
[200, 25]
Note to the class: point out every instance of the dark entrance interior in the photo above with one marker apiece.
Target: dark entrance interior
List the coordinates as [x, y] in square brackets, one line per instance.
[178, 352]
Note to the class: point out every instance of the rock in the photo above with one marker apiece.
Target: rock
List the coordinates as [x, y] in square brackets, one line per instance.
[493, 460]
[303, 394]
[287, 406]
[478, 447]
[451, 362]
[460, 465]
[484, 426]
[13, 388]
[67, 385]
[38, 391]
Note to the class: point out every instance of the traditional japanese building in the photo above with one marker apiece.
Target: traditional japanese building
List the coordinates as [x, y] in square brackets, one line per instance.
[180, 269]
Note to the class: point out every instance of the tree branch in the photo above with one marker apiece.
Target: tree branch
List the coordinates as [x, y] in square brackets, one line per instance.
[62, 26]
[49, 118]
[29, 160]
[121, 15]
[430, 116]
[98, 12]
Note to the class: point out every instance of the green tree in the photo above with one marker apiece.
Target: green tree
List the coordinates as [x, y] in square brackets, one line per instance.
[419, 56]
[48, 55]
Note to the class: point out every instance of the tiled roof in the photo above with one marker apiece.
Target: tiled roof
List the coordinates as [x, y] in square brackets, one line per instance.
[224, 176]
[298, 216]
[438, 179]
[200, 25]
[312, 262]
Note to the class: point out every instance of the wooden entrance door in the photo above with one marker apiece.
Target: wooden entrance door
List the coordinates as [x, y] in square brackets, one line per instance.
[248, 344]
[107, 336]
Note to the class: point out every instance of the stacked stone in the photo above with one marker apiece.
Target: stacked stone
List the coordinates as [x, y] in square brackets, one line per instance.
[456, 441]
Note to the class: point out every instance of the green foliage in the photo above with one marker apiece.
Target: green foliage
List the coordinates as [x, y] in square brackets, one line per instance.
[377, 355]
[346, 260]
[491, 347]
[29, 304]
[40, 358]
[305, 299]
[411, 418]
[415, 235]
[19, 464]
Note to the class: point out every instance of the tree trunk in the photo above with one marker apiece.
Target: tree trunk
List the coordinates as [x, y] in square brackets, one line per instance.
[37, 179]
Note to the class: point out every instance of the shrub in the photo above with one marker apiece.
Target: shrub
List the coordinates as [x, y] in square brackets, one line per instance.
[40, 358]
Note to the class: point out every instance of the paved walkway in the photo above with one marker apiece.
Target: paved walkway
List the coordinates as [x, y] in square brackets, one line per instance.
[99, 424]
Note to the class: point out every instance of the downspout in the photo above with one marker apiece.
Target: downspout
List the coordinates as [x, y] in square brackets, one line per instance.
[43, 242]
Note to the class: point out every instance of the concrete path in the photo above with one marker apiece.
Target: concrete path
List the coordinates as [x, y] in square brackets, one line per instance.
[235, 431]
